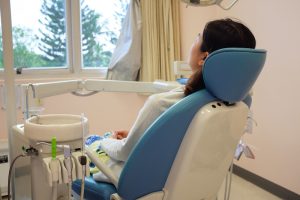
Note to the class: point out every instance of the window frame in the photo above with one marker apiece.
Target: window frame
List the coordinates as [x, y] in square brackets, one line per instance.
[74, 66]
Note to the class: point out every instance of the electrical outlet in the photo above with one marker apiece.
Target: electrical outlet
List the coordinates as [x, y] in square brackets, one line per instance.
[4, 167]
[3, 159]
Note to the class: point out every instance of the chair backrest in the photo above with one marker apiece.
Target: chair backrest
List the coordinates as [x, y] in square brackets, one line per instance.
[206, 151]
[148, 167]
[230, 73]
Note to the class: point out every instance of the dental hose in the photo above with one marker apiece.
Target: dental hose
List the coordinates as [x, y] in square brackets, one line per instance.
[10, 172]
[27, 152]
[82, 159]
[54, 191]
[69, 166]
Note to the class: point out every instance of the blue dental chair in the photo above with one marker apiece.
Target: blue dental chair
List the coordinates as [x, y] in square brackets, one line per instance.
[187, 151]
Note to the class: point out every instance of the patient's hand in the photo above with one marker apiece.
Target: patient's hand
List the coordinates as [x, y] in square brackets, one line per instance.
[119, 135]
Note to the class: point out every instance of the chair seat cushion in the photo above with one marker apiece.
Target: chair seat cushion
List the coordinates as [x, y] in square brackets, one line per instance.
[94, 190]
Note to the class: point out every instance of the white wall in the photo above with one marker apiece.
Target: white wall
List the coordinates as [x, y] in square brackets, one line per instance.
[105, 111]
[276, 93]
[192, 22]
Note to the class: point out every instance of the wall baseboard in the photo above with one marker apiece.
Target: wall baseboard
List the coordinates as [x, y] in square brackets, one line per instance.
[265, 184]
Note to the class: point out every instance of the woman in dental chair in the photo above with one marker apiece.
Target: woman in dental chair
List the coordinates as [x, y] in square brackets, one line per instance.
[217, 34]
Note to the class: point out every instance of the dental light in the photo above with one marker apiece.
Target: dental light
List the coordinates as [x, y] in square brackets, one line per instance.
[209, 2]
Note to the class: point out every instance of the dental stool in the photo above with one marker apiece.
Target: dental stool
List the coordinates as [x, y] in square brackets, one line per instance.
[187, 151]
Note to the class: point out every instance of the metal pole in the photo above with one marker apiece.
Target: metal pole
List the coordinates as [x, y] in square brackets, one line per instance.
[9, 74]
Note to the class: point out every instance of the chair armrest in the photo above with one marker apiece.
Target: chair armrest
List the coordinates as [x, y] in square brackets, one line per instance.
[102, 167]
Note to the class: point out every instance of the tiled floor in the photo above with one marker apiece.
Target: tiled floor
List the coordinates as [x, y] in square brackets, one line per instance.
[243, 190]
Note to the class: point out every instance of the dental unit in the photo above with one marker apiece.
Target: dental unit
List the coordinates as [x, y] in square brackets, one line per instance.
[57, 140]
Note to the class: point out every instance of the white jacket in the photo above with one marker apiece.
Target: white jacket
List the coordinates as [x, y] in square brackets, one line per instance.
[154, 106]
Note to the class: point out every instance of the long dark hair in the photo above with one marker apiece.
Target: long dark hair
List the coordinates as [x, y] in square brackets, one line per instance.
[218, 34]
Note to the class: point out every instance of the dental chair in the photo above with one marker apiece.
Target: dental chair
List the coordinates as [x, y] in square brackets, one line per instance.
[187, 151]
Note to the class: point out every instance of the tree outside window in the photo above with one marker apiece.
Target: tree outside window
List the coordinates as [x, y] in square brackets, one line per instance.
[100, 30]
[30, 35]
[52, 42]
[43, 42]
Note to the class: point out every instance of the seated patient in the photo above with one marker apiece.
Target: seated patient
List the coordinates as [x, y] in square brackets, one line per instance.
[216, 35]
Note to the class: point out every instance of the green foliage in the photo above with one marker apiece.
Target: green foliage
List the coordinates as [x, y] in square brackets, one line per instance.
[23, 46]
[53, 40]
[93, 26]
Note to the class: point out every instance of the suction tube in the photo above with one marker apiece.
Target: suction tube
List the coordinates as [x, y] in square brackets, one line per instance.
[82, 159]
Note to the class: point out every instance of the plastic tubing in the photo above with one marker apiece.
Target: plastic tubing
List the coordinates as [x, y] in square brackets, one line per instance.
[83, 166]
[69, 167]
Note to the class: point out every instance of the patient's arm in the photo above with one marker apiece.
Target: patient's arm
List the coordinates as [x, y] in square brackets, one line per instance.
[152, 109]
[119, 149]
[119, 135]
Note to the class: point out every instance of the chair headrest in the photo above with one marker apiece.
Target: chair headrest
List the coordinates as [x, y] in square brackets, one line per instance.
[230, 73]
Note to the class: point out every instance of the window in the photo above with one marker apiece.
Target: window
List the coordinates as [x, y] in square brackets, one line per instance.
[43, 37]
[100, 30]
[39, 36]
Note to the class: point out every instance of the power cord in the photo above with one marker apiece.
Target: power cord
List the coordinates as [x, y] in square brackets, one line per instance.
[27, 152]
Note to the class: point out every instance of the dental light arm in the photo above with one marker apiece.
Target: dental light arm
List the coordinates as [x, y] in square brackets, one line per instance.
[128, 86]
[42, 90]
[48, 89]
